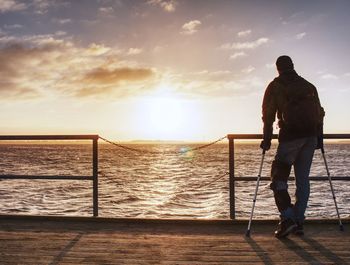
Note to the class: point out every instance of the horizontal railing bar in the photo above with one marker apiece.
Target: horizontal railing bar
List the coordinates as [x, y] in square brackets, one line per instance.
[50, 137]
[341, 178]
[46, 177]
[275, 136]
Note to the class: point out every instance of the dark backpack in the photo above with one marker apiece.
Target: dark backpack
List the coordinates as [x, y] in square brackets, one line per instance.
[301, 112]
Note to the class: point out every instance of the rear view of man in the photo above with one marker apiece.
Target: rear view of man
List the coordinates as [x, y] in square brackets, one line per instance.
[300, 118]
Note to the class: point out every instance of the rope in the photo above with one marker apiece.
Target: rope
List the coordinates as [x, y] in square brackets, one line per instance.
[154, 152]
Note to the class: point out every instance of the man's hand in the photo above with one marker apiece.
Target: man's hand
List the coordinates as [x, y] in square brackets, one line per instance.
[265, 145]
[266, 142]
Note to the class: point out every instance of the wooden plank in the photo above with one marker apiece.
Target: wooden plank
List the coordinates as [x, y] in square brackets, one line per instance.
[83, 242]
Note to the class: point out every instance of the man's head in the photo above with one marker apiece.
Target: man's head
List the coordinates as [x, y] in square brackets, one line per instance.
[284, 63]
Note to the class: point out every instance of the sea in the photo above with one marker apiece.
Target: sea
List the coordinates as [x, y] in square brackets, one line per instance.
[160, 180]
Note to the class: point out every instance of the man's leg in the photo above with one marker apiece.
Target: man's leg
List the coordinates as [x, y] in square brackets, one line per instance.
[281, 166]
[302, 167]
[280, 173]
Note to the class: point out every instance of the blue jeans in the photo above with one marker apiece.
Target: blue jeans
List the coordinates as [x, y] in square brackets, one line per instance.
[297, 153]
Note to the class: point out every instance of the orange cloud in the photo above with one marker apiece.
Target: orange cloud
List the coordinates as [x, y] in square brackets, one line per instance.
[43, 65]
[121, 82]
[106, 76]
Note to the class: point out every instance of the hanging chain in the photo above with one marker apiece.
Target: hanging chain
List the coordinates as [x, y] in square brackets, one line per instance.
[205, 146]
[181, 152]
[126, 147]
[154, 152]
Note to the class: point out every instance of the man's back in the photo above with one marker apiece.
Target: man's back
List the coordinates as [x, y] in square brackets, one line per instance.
[287, 95]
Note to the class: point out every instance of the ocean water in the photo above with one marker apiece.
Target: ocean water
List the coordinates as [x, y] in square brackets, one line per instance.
[164, 183]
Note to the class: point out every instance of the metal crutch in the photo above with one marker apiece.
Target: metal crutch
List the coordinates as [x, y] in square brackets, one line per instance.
[255, 195]
[330, 183]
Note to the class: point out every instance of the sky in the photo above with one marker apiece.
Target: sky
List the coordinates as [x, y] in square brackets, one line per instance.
[164, 69]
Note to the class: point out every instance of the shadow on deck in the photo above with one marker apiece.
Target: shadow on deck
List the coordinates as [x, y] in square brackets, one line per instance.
[52, 240]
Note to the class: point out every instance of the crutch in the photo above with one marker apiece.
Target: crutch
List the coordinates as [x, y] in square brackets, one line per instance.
[255, 195]
[330, 183]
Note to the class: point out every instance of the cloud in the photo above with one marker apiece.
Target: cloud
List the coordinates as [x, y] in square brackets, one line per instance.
[60, 33]
[218, 85]
[106, 10]
[62, 21]
[237, 55]
[248, 69]
[11, 6]
[245, 45]
[101, 81]
[106, 76]
[300, 35]
[166, 5]
[15, 91]
[46, 65]
[134, 51]
[347, 74]
[98, 49]
[158, 48]
[220, 73]
[329, 76]
[244, 33]
[41, 6]
[270, 65]
[13, 26]
[13, 82]
[191, 27]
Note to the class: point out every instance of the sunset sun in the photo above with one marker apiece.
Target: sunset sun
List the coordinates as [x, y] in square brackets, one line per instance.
[165, 117]
[165, 114]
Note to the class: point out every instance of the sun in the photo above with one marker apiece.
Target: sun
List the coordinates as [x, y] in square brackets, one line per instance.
[166, 116]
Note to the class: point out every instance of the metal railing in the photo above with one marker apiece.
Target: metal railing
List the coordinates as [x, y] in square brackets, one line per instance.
[93, 177]
[233, 178]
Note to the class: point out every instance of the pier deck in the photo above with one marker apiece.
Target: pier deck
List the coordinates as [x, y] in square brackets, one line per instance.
[47, 240]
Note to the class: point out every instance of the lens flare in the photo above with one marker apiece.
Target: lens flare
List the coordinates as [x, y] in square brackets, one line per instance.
[187, 153]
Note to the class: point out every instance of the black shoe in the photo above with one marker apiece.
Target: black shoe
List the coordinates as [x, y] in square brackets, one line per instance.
[284, 228]
[299, 229]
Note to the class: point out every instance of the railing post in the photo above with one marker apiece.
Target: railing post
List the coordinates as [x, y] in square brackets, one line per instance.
[232, 177]
[95, 175]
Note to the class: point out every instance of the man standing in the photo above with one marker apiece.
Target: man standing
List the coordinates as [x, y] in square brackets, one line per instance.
[300, 118]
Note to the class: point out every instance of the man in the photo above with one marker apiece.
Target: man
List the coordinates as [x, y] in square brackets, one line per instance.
[300, 118]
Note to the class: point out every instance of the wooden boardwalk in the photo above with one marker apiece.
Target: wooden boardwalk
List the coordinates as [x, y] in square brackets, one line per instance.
[105, 241]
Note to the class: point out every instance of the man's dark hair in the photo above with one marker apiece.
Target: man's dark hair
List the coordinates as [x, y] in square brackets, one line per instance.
[284, 63]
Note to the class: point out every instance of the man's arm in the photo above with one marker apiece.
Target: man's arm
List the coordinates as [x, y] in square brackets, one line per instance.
[269, 108]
